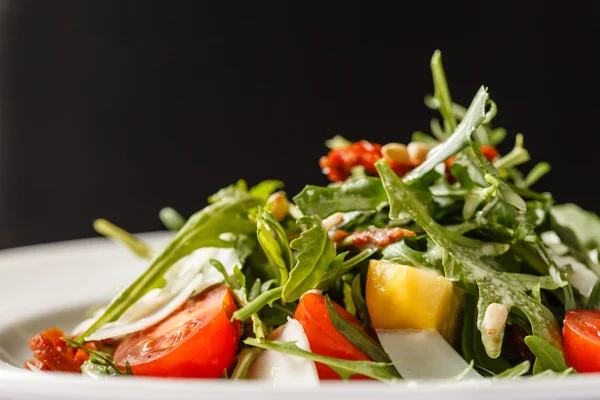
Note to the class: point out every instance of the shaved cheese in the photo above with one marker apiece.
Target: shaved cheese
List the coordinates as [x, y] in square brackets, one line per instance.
[284, 369]
[423, 355]
[189, 276]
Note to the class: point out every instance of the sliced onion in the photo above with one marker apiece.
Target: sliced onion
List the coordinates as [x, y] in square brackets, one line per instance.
[190, 275]
[423, 355]
[284, 369]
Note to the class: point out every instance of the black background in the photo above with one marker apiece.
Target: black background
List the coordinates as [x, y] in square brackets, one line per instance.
[117, 108]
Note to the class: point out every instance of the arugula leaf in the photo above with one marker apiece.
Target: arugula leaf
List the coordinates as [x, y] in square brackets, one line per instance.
[273, 240]
[336, 142]
[475, 260]
[476, 114]
[593, 302]
[338, 267]
[517, 156]
[315, 252]
[546, 355]
[112, 231]
[516, 371]
[359, 300]
[244, 360]
[348, 299]
[536, 173]
[505, 192]
[357, 194]
[171, 219]
[265, 298]
[345, 368]
[264, 189]
[404, 252]
[203, 229]
[238, 189]
[584, 224]
[103, 361]
[358, 337]
[442, 94]
[471, 344]
[237, 284]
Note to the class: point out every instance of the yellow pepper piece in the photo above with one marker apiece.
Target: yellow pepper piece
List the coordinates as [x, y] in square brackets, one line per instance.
[403, 297]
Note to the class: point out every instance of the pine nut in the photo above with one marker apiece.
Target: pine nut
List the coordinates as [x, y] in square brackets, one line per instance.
[395, 153]
[417, 152]
[278, 205]
[332, 220]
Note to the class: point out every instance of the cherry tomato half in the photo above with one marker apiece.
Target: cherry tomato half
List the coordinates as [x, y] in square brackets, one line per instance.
[581, 339]
[196, 341]
[323, 337]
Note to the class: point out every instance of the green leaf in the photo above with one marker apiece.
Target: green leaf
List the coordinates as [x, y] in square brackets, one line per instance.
[593, 302]
[442, 93]
[99, 358]
[112, 231]
[315, 252]
[273, 240]
[358, 337]
[584, 224]
[403, 252]
[244, 360]
[337, 141]
[471, 344]
[348, 299]
[476, 259]
[357, 194]
[264, 189]
[171, 219]
[231, 192]
[424, 138]
[476, 114]
[203, 229]
[547, 357]
[345, 368]
[517, 156]
[537, 172]
[339, 267]
[264, 299]
[359, 300]
[505, 192]
[516, 371]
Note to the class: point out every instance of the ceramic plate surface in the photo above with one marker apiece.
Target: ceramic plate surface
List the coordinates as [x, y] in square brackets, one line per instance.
[54, 285]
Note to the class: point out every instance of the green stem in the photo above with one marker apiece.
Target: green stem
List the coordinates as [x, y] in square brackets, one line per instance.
[171, 219]
[112, 231]
[257, 304]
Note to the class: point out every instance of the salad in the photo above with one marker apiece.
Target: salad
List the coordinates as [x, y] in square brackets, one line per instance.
[430, 260]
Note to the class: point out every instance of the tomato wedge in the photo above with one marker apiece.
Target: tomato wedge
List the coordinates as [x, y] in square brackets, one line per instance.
[581, 339]
[323, 337]
[196, 341]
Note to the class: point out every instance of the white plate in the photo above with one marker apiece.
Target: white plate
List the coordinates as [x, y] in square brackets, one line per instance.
[53, 285]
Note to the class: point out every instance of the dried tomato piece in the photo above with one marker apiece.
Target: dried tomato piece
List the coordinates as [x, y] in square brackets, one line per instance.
[379, 238]
[53, 353]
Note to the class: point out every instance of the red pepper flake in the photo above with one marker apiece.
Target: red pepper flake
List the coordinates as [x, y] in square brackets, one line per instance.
[379, 238]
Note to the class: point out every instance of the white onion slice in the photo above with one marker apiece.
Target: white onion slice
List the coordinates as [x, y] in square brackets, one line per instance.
[423, 355]
[284, 369]
[190, 275]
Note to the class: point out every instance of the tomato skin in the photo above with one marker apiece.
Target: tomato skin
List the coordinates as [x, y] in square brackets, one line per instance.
[581, 340]
[196, 341]
[323, 337]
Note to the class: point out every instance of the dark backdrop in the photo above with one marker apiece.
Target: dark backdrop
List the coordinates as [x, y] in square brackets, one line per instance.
[117, 108]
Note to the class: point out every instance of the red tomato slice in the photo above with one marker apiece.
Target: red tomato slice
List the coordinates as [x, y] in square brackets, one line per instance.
[581, 339]
[196, 341]
[322, 336]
